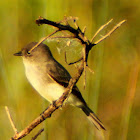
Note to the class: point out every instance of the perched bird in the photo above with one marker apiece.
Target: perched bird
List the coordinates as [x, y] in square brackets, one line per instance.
[50, 78]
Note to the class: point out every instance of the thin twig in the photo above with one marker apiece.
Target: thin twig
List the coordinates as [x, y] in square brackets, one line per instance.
[90, 69]
[84, 76]
[68, 43]
[75, 61]
[66, 59]
[39, 133]
[71, 63]
[54, 37]
[85, 63]
[101, 28]
[11, 120]
[76, 25]
[66, 19]
[42, 40]
[76, 32]
[110, 32]
[84, 30]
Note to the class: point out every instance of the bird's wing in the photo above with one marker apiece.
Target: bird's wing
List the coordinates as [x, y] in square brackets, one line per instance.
[57, 72]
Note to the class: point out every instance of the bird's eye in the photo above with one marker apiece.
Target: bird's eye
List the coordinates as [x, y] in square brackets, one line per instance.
[28, 53]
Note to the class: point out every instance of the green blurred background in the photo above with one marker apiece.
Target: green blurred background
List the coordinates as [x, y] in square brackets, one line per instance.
[113, 91]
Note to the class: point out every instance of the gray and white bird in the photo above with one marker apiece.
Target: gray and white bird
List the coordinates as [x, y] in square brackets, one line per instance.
[50, 78]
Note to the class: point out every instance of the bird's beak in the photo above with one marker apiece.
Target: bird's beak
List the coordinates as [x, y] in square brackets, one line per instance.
[18, 54]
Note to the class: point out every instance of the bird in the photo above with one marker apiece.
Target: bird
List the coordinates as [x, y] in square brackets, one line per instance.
[50, 79]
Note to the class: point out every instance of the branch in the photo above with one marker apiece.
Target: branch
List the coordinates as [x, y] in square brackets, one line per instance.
[43, 39]
[71, 63]
[76, 32]
[87, 46]
[39, 133]
[11, 120]
[101, 28]
[110, 32]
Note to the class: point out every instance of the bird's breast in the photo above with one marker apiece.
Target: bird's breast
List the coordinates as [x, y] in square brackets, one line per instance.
[46, 86]
[41, 81]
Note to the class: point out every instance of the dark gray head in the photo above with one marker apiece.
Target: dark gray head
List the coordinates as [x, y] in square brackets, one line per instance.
[38, 54]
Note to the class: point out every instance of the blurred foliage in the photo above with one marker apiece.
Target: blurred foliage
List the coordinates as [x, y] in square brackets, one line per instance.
[112, 92]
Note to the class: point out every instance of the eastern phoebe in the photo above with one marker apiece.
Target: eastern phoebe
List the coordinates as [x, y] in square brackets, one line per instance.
[50, 78]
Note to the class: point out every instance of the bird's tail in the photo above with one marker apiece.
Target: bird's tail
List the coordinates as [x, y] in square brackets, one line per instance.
[92, 117]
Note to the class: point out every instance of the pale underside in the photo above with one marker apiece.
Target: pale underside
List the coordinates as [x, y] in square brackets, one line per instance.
[46, 86]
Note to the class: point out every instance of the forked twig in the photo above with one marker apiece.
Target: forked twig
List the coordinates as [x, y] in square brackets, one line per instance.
[110, 32]
[101, 28]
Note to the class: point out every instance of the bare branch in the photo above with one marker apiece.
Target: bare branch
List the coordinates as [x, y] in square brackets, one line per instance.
[43, 39]
[76, 32]
[85, 63]
[66, 59]
[101, 28]
[75, 61]
[110, 32]
[84, 30]
[71, 63]
[11, 120]
[39, 133]
[66, 19]
[54, 37]
[90, 69]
